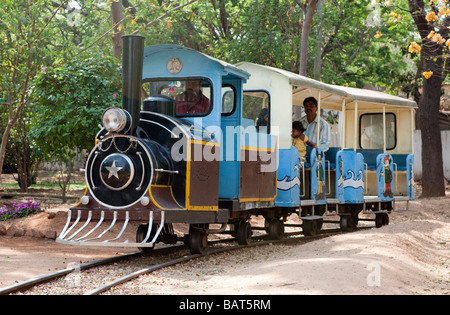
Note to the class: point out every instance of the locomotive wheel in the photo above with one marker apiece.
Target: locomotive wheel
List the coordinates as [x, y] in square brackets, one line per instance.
[141, 233]
[197, 240]
[244, 232]
[348, 223]
[275, 229]
[381, 219]
[311, 227]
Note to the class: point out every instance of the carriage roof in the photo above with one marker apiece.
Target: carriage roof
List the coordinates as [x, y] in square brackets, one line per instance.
[331, 96]
[376, 97]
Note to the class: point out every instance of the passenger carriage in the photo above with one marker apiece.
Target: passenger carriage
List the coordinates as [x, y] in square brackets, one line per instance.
[370, 167]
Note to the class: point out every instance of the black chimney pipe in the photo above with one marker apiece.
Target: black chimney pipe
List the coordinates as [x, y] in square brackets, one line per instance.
[132, 64]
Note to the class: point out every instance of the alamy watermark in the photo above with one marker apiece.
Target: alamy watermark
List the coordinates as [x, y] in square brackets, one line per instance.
[73, 279]
[235, 143]
[374, 277]
[74, 16]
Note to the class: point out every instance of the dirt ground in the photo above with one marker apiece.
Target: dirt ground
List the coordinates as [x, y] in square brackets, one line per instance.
[409, 256]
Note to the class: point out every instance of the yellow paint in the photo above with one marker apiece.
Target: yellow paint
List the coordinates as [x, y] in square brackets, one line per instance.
[248, 148]
[257, 199]
[202, 142]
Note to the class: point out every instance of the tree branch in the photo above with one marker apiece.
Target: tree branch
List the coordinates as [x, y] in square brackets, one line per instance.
[164, 15]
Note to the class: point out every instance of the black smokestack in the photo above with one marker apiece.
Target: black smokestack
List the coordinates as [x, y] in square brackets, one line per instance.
[132, 63]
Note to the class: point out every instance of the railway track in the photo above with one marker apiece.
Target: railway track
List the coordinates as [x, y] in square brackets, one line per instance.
[66, 280]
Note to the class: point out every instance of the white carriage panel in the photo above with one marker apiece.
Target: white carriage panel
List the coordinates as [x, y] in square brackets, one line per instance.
[280, 92]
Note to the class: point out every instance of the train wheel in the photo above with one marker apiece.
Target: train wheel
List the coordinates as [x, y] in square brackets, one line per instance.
[244, 232]
[311, 227]
[276, 229]
[141, 233]
[348, 223]
[381, 219]
[197, 240]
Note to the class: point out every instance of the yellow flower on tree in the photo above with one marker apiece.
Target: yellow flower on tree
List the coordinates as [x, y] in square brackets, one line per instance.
[432, 17]
[443, 11]
[378, 34]
[437, 38]
[427, 74]
[414, 48]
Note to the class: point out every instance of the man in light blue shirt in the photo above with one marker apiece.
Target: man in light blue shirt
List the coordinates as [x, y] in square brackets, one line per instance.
[310, 123]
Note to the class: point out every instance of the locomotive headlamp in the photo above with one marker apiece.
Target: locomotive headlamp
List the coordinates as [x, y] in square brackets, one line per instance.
[116, 119]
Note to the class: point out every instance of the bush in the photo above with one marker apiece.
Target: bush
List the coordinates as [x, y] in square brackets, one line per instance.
[19, 210]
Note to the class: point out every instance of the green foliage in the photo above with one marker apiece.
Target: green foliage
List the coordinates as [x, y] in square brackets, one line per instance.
[70, 99]
[70, 96]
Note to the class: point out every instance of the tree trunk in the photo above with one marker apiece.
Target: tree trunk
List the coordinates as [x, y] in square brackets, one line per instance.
[431, 58]
[117, 21]
[432, 163]
[308, 12]
[318, 57]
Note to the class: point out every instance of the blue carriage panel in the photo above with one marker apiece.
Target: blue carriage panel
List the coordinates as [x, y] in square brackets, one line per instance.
[385, 178]
[349, 177]
[410, 183]
[288, 178]
[400, 160]
[229, 163]
[308, 156]
[370, 157]
[318, 185]
[330, 156]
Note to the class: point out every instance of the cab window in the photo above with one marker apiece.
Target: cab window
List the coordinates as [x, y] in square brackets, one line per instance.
[256, 110]
[192, 96]
[228, 100]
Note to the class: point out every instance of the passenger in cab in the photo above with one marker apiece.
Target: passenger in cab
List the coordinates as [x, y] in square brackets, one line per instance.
[299, 140]
[192, 100]
[310, 123]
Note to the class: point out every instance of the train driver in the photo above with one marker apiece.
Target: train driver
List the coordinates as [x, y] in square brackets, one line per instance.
[310, 123]
[192, 100]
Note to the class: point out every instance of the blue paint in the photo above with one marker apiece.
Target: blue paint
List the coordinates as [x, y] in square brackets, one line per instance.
[350, 177]
[410, 183]
[288, 179]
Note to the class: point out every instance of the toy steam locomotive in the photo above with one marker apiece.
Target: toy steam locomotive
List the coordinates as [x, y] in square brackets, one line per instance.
[201, 142]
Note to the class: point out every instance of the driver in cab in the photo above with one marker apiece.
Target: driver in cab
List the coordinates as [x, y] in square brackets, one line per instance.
[192, 100]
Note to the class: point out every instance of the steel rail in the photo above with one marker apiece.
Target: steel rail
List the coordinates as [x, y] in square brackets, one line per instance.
[45, 278]
[133, 275]
[25, 285]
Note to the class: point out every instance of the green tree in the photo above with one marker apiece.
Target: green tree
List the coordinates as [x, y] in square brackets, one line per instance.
[24, 44]
[70, 100]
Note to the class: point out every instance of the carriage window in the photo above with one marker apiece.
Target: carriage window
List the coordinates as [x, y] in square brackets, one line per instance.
[371, 131]
[192, 96]
[256, 110]
[228, 100]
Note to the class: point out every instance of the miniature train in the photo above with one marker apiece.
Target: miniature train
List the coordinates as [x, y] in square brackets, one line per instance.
[200, 142]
